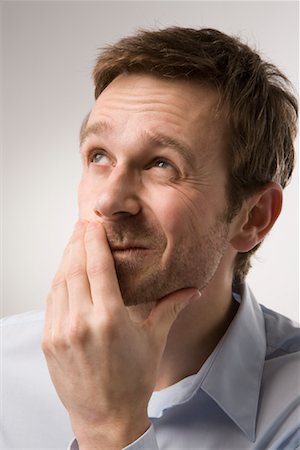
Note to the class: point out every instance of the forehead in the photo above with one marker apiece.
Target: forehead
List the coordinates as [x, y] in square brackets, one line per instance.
[144, 92]
[139, 103]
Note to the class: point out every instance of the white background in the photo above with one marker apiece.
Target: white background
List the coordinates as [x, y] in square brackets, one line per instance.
[48, 53]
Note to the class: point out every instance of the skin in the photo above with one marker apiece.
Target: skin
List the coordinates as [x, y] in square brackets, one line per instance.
[152, 233]
[141, 190]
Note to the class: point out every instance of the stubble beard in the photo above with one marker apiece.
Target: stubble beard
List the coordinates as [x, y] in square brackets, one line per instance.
[190, 264]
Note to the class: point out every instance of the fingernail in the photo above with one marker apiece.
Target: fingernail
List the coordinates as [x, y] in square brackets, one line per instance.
[195, 296]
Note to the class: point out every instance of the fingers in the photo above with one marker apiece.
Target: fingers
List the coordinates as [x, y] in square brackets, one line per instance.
[100, 269]
[48, 315]
[86, 278]
[57, 300]
[78, 288]
[86, 275]
[56, 310]
[68, 281]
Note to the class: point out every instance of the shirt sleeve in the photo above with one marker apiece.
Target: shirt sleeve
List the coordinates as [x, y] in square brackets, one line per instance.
[145, 442]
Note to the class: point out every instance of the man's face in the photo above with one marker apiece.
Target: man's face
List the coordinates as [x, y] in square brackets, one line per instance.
[154, 174]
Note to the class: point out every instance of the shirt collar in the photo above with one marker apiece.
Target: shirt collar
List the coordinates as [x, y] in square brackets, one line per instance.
[232, 374]
[240, 362]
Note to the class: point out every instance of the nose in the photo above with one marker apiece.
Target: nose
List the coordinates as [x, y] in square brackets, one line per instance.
[118, 196]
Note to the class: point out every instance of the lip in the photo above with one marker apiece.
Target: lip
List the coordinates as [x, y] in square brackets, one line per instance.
[132, 248]
[130, 253]
[127, 246]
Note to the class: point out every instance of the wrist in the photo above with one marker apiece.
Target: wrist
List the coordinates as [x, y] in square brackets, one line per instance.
[114, 435]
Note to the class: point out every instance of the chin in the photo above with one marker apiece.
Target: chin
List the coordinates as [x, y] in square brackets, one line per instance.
[137, 297]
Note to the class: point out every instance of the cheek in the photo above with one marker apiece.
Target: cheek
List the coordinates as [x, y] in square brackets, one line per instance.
[179, 214]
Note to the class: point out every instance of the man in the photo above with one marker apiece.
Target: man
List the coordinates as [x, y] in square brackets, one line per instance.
[151, 336]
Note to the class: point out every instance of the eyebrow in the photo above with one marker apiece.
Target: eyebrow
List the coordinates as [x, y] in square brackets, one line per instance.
[95, 129]
[163, 140]
[151, 138]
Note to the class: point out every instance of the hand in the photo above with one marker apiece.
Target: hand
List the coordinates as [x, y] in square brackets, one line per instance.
[103, 365]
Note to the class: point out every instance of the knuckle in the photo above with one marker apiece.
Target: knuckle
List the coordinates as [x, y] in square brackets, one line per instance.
[46, 347]
[173, 312]
[94, 269]
[75, 271]
[58, 281]
[177, 308]
[66, 253]
[98, 268]
[58, 342]
[78, 330]
[107, 325]
[53, 344]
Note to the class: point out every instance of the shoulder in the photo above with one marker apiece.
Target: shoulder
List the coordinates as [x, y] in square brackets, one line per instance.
[280, 381]
[279, 388]
[282, 359]
[282, 334]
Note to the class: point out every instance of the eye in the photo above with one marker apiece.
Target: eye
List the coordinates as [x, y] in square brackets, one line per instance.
[164, 168]
[99, 158]
[163, 164]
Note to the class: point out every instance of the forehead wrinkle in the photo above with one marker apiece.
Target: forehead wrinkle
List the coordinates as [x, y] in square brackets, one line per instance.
[152, 138]
[142, 99]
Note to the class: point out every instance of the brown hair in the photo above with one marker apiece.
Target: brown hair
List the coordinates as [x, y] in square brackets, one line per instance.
[262, 109]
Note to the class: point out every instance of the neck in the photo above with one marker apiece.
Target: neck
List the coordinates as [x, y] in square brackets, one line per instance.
[194, 335]
[196, 331]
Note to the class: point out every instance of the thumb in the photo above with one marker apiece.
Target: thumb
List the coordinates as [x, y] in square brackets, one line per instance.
[168, 308]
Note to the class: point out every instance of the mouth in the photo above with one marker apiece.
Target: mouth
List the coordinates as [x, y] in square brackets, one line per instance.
[129, 250]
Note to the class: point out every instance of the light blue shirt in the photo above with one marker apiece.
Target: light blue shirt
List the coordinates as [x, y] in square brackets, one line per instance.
[245, 396]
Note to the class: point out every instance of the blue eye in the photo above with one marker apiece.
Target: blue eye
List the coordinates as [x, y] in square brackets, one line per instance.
[99, 158]
[162, 164]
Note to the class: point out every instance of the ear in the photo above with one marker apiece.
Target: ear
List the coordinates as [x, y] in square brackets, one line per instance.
[256, 217]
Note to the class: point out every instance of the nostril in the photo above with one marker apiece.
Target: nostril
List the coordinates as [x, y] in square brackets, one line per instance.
[97, 213]
[115, 206]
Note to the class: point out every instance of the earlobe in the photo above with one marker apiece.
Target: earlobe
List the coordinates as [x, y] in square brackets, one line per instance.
[256, 217]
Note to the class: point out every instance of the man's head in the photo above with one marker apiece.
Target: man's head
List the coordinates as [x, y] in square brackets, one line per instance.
[247, 129]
